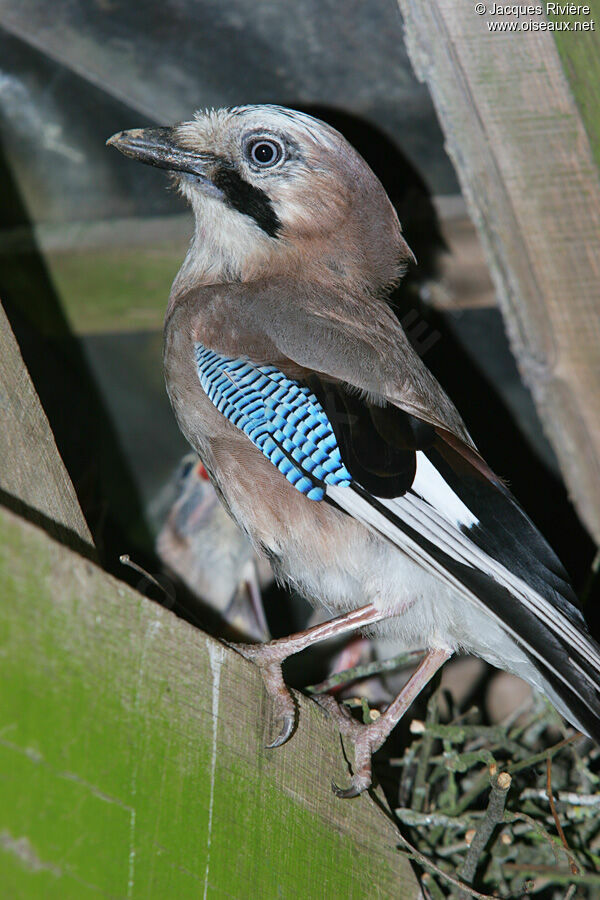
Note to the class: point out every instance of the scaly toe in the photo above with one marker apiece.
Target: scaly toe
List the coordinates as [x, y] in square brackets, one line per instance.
[267, 657]
[262, 655]
[340, 714]
[364, 741]
[358, 784]
[284, 708]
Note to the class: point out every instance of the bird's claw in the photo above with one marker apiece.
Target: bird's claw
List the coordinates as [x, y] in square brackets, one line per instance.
[362, 738]
[284, 709]
[358, 784]
[287, 729]
[267, 659]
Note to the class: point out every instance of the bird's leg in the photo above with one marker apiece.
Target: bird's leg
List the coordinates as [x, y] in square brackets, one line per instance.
[254, 593]
[369, 738]
[269, 657]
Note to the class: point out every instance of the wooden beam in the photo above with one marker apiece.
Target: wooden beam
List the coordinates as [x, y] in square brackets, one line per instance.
[132, 748]
[580, 55]
[31, 470]
[527, 171]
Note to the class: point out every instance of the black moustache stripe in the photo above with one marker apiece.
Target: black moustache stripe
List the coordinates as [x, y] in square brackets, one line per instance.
[247, 199]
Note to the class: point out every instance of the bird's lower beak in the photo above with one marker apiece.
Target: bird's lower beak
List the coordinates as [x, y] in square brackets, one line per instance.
[159, 147]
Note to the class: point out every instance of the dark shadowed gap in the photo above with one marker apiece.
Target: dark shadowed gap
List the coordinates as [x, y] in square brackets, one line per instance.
[83, 432]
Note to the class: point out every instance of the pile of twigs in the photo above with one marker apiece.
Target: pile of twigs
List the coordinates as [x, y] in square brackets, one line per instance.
[500, 810]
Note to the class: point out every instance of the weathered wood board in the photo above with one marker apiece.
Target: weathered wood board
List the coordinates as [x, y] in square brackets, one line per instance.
[527, 170]
[132, 760]
[31, 470]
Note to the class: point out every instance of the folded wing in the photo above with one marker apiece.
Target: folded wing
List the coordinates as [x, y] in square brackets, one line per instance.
[425, 489]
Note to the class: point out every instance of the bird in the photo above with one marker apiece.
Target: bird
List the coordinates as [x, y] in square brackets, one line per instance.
[325, 435]
[205, 549]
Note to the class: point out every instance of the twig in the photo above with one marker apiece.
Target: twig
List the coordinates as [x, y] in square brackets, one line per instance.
[456, 849]
[430, 888]
[572, 798]
[423, 860]
[126, 560]
[511, 817]
[559, 828]
[494, 816]
[366, 711]
[554, 875]
[460, 762]
[481, 782]
[419, 791]
[544, 755]
[458, 733]
[367, 670]
[427, 819]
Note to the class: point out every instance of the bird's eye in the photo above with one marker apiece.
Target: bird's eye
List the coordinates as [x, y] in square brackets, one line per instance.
[264, 152]
[185, 467]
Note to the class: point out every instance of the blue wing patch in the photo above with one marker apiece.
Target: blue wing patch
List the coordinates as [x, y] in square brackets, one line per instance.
[282, 418]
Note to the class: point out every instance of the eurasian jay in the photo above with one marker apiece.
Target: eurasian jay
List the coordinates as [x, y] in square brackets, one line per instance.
[325, 435]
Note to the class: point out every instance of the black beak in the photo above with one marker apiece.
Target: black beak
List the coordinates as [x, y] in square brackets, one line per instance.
[159, 147]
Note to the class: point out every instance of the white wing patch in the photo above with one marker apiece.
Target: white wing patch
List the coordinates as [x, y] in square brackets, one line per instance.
[430, 485]
[433, 510]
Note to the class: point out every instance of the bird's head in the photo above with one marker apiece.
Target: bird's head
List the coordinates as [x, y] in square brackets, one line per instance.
[274, 190]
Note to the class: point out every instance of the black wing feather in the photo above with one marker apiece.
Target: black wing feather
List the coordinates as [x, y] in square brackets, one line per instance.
[504, 530]
[378, 443]
[551, 653]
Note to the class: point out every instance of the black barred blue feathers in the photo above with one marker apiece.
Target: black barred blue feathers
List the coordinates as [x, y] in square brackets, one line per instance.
[281, 417]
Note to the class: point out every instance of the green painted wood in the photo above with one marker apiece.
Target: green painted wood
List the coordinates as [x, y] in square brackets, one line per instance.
[115, 289]
[132, 761]
[580, 54]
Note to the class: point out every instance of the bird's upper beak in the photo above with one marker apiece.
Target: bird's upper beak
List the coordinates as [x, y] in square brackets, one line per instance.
[160, 147]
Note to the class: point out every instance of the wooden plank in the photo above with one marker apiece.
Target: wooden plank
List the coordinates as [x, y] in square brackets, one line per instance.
[132, 760]
[528, 174]
[115, 276]
[580, 54]
[31, 470]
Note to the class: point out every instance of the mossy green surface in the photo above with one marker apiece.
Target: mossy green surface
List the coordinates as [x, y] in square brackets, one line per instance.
[132, 760]
[580, 54]
[115, 289]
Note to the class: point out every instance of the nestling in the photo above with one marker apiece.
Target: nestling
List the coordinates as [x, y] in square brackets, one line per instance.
[325, 435]
[203, 547]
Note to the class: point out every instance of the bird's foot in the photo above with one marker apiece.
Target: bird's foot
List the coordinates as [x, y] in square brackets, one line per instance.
[366, 740]
[369, 738]
[268, 657]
